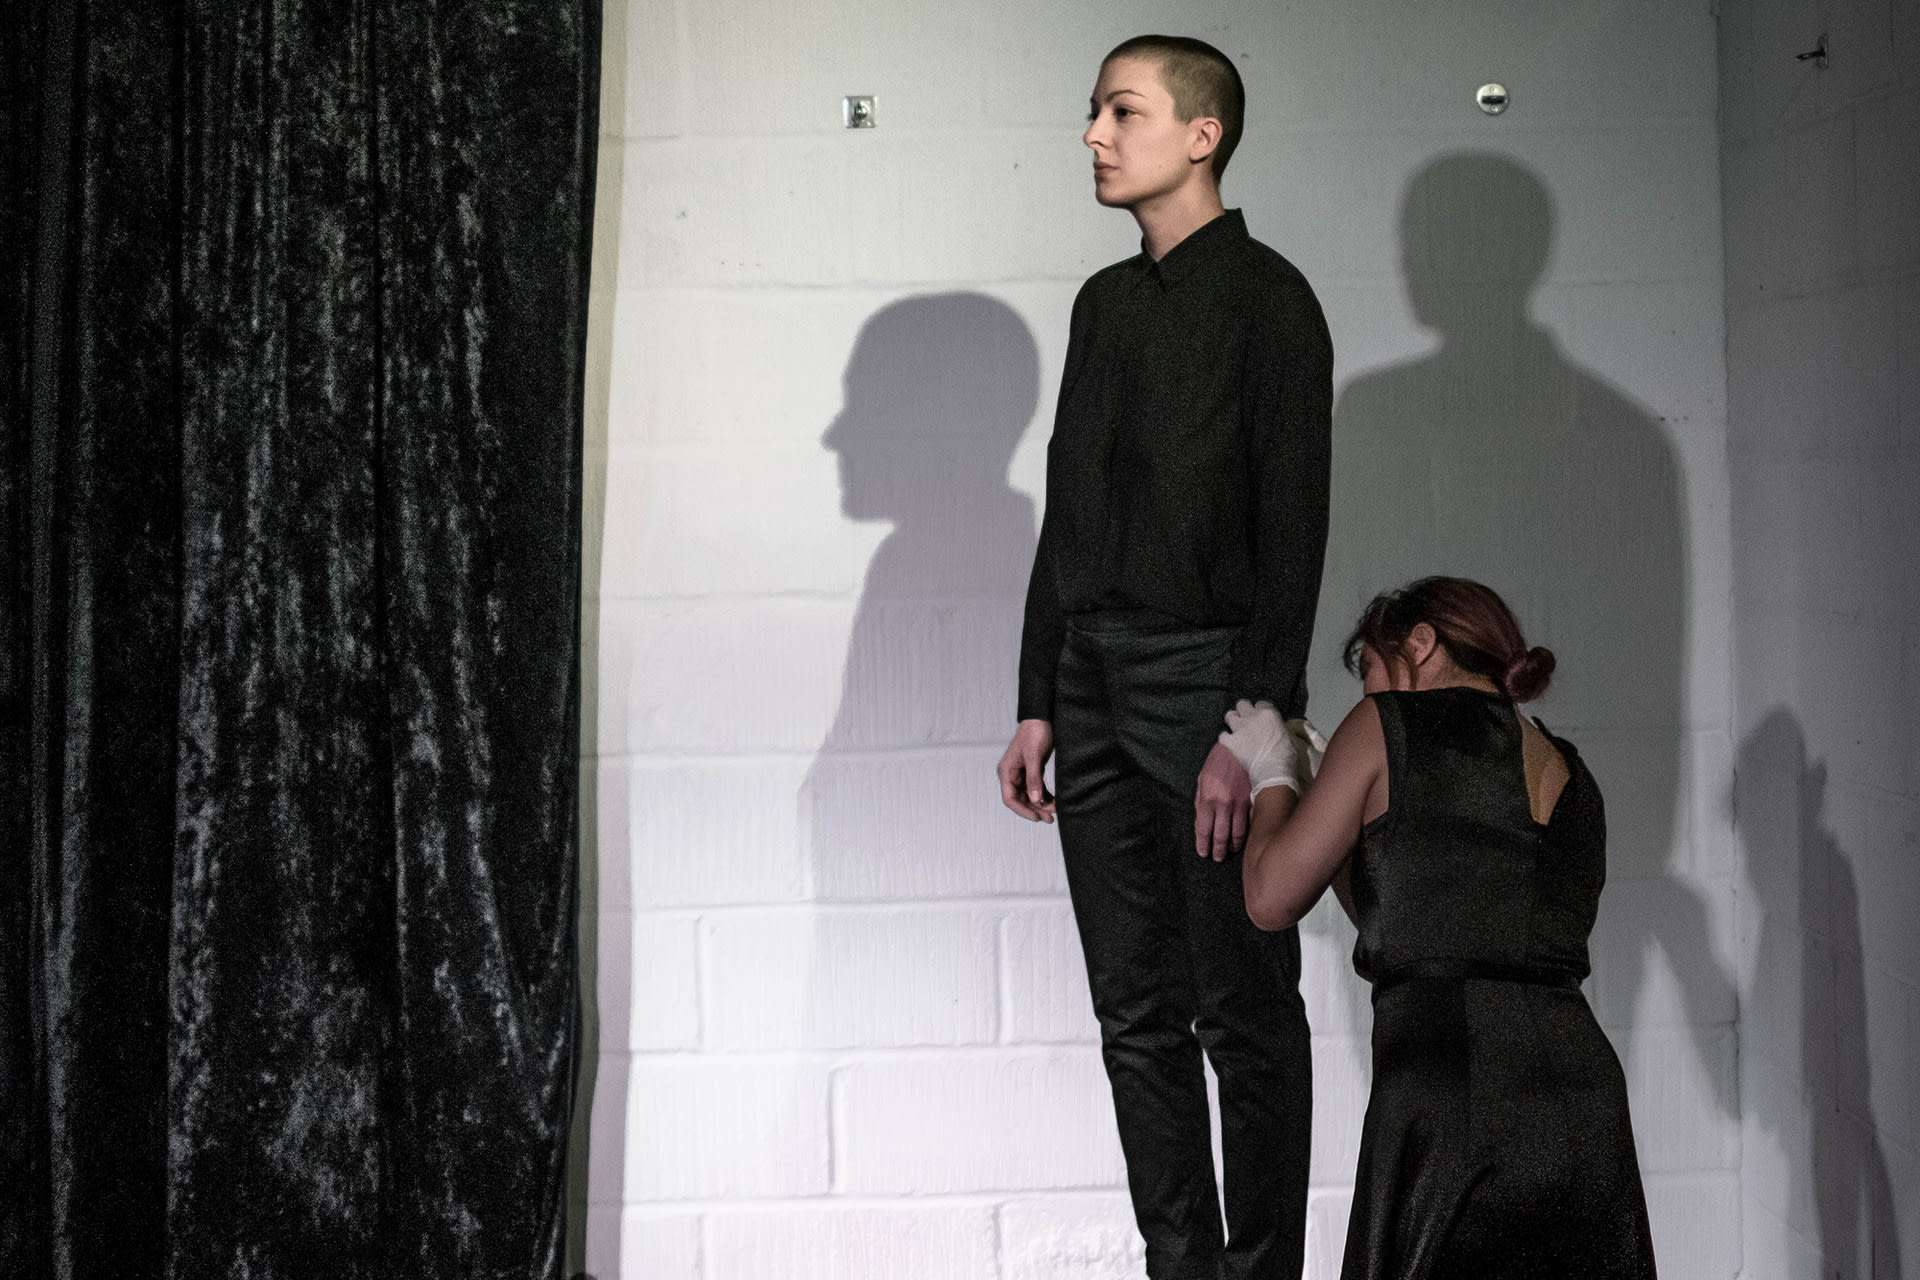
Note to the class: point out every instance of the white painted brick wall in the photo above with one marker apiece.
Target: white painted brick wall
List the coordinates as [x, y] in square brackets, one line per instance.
[1822, 216]
[843, 978]
[713, 830]
[664, 1009]
[658, 1246]
[908, 825]
[1046, 977]
[1024, 1119]
[1070, 1238]
[831, 1243]
[845, 1030]
[1327, 1213]
[716, 1129]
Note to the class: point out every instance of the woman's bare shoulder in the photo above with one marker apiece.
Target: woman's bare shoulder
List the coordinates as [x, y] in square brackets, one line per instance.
[1361, 725]
[1358, 747]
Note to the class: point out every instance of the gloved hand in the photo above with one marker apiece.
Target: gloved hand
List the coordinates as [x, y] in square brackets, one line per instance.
[1308, 747]
[1272, 751]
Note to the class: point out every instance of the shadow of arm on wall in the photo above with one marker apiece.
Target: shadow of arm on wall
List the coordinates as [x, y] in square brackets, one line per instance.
[1806, 1034]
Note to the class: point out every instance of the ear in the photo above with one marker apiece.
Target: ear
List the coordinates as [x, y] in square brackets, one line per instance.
[1203, 138]
[1422, 644]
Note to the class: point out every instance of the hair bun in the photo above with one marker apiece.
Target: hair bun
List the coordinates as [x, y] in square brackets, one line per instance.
[1527, 675]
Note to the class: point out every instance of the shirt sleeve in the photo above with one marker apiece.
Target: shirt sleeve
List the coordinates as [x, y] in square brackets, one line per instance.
[1288, 402]
[1045, 628]
[1041, 637]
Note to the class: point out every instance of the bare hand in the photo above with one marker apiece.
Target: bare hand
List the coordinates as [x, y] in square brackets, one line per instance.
[1221, 803]
[1022, 770]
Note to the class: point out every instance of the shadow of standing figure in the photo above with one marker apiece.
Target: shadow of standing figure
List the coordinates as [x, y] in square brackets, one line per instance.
[938, 392]
[1498, 458]
[1810, 1074]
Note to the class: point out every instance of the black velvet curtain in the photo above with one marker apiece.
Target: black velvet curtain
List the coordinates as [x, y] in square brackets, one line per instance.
[291, 329]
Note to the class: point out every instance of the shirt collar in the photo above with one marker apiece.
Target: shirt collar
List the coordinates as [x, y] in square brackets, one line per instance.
[1202, 243]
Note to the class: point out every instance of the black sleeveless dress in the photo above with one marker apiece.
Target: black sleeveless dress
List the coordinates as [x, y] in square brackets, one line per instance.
[1497, 1143]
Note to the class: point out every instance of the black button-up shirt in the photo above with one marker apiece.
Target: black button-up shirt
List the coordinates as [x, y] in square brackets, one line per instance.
[1188, 471]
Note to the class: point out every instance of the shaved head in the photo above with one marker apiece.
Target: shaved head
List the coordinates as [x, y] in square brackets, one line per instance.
[1201, 80]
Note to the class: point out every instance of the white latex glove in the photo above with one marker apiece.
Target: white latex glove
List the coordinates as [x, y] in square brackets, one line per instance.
[1308, 746]
[1275, 753]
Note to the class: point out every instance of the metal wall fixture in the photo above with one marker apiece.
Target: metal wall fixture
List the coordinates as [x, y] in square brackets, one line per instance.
[1816, 55]
[1493, 98]
[856, 111]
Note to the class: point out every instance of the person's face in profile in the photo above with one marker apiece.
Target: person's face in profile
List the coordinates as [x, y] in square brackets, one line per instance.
[1374, 676]
[1141, 147]
[1421, 664]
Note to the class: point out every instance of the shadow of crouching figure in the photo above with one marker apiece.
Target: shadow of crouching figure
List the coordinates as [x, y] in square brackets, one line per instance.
[1808, 1078]
[1499, 458]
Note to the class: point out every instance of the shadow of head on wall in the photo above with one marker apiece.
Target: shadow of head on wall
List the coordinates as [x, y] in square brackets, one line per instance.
[938, 392]
[1498, 457]
[1476, 231]
[1807, 1055]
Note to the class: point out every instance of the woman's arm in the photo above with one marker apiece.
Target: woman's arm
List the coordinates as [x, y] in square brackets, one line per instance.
[1343, 890]
[1296, 847]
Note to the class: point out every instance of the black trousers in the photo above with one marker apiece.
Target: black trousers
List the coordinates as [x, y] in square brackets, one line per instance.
[1174, 964]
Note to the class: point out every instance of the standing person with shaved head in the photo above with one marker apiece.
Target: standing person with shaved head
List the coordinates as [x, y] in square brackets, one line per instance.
[1177, 573]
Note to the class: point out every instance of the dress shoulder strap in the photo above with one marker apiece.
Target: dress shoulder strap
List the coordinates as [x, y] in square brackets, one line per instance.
[1393, 721]
[1393, 727]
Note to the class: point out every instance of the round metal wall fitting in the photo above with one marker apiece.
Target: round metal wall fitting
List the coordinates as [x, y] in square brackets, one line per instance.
[1492, 98]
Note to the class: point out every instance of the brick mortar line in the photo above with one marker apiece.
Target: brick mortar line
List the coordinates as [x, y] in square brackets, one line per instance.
[828, 1202]
[781, 756]
[980, 1050]
[923, 1054]
[843, 906]
[1068, 132]
[674, 755]
[1747, 306]
[1791, 125]
[832, 1202]
[1322, 282]
[996, 902]
[850, 596]
[894, 288]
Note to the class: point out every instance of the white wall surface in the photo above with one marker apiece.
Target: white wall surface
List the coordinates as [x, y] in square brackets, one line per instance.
[1822, 171]
[843, 1029]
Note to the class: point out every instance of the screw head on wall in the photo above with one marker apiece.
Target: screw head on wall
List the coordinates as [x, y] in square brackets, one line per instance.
[856, 111]
[1492, 98]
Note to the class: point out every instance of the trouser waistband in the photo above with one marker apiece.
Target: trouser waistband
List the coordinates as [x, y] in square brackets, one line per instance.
[1142, 622]
[1456, 970]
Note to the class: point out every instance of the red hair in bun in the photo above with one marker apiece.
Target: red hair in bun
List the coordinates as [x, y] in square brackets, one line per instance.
[1527, 675]
[1473, 625]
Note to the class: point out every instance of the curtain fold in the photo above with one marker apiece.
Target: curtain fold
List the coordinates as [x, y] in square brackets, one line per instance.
[287, 974]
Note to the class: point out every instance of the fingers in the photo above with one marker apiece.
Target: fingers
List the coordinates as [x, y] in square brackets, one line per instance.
[1013, 789]
[1023, 785]
[1241, 713]
[1213, 830]
[1036, 779]
[1242, 817]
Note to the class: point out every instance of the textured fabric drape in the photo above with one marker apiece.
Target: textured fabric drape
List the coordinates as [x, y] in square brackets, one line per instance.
[291, 328]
